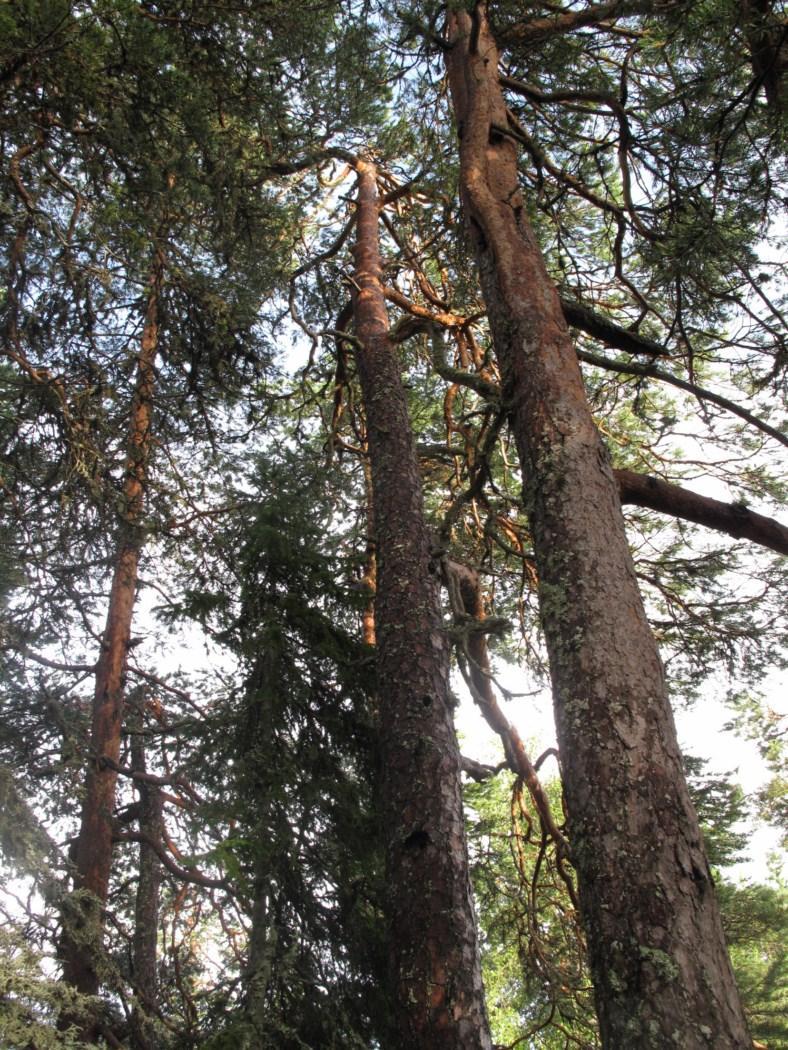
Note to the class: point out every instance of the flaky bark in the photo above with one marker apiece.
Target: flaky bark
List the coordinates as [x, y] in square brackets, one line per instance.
[370, 578]
[656, 949]
[93, 854]
[431, 927]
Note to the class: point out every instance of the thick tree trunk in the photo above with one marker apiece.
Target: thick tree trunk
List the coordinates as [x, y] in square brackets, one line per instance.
[657, 953]
[81, 941]
[431, 925]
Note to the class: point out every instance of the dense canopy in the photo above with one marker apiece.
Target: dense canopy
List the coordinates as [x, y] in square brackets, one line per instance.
[349, 355]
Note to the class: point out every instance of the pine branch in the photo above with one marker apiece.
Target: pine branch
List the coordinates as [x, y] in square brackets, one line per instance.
[538, 29]
[642, 490]
[650, 372]
[184, 874]
[594, 324]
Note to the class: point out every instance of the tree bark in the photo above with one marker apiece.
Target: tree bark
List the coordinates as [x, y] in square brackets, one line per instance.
[370, 577]
[431, 925]
[656, 948]
[82, 934]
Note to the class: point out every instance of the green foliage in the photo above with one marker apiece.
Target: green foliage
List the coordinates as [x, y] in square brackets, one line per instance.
[722, 808]
[533, 955]
[764, 724]
[290, 758]
[755, 918]
[24, 844]
[204, 132]
[31, 1001]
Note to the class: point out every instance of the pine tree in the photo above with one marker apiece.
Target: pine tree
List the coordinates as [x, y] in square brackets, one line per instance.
[180, 203]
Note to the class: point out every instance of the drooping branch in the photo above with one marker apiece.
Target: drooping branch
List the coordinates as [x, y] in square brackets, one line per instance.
[515, 130]
[464, 589]
[332, 250]
[736, 520]
[604, 98]
[632, 368]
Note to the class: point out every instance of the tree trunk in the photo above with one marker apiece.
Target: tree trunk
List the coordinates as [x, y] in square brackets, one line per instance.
[434, 955]
[657, 953]
[370, 577]
[83, 927]
[766, 33]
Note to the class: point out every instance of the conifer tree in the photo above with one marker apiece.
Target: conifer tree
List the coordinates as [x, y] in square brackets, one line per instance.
[181, 195]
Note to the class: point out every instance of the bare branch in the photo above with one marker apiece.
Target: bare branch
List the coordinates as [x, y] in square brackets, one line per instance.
[736, 520]
[185, 874]
[594, 324]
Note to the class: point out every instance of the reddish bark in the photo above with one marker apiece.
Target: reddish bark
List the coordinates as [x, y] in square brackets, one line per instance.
[93, 854]
[656, 949]
[431, 926]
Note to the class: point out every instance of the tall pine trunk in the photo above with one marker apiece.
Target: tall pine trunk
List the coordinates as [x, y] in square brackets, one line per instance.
[83, 927]
[436, 975]
[657, 953]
